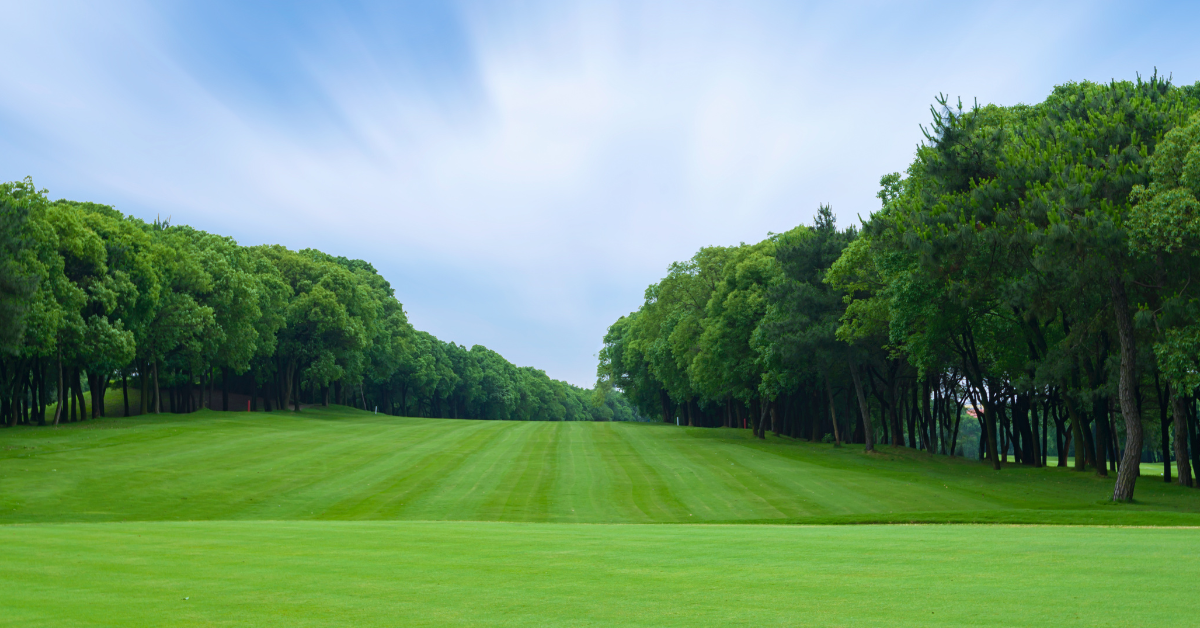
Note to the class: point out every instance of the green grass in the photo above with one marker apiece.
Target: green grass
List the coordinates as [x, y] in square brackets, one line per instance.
[321, 573]
[341, 464]
[339, 517]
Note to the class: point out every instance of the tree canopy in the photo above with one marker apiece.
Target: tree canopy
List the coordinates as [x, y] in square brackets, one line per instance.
[1032, 270]
[89, 297]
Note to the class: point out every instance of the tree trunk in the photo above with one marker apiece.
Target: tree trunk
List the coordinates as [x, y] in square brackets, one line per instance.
[1045, 430]
[43, 390]
[913, 412]
[144, 381]
[989, 424]
[157, 389]
[294, 387]
[1100, 418]
[763, 409]
[837, 437]
[1191, 437]
[1077, 436]
[224, 389]
[1128, 473]
[1062, 435]
[894, 419]
[104, 393]
[1034, 445]
[927, 430]
[93, 381]
[988, 442]
[81, 400]
[957, 423]
[1184, 467]
[1023, 426]
[58, 407]
[863, 407]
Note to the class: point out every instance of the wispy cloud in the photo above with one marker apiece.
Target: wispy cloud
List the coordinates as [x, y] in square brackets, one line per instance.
[521, 171]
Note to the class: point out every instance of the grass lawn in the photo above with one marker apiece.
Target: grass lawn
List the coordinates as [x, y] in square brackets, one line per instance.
[388, 573]
[339, 517]
[343, 464]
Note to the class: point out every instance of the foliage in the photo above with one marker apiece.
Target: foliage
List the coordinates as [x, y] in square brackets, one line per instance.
[89, 295]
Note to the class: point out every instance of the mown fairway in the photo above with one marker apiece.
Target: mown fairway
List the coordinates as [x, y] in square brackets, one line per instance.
[337, 517]
[346, 464]
[387, 573]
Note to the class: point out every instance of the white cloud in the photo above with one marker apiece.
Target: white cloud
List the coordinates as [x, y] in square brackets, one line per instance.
[524, 198]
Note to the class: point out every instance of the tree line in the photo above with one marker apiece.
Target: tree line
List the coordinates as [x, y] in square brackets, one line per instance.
[1032, 270]
[91, 299]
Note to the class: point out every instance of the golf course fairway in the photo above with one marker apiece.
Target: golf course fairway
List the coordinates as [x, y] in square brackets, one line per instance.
[335, 517]
[376, 573]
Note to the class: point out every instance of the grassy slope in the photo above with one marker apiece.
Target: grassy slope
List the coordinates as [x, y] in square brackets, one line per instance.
[346, 464]
[391, 573]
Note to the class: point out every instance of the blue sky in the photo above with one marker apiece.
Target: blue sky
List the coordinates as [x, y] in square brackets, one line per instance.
[521, 171]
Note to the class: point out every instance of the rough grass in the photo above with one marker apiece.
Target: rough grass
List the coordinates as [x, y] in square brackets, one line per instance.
[335, 517]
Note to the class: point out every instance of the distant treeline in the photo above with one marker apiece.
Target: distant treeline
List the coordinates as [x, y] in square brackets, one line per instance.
[1035, 267]
[90, 298]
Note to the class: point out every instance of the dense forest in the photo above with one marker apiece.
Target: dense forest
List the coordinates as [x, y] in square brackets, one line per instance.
[181, 319]
[1031, 271]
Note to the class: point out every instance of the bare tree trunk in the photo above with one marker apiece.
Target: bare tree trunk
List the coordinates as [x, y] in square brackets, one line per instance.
[79, 395]
[863, 407]
[72, 398]
[837, 437]
[1034, 445]
[895, 420]
[1101, 421]
[104, 393]
[1182, 464]
[43, 390]
[1130, 462]
[988, 442]
[763, 409]
[253, 405]
[293, 387]
[212, 386]
[97, 394]
[1077, 436]
[989, 423]
[927, 428]
[61, 397]
[157, 391]
[957, 422]
[144, 376]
